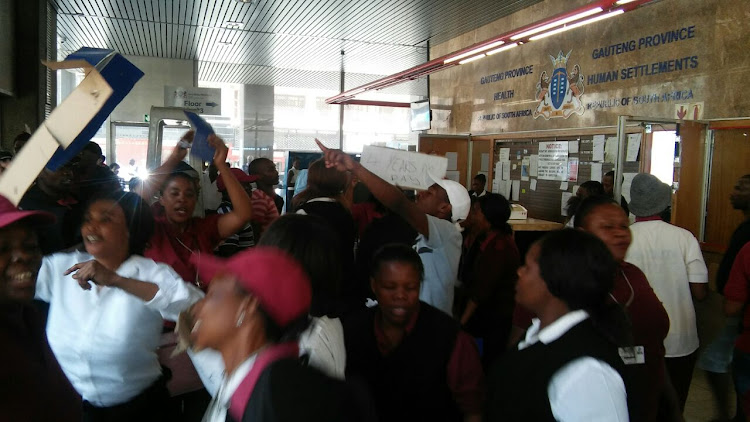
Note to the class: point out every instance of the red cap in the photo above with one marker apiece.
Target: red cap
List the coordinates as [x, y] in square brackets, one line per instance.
[240, 175]
[9, 214]
[275, 278]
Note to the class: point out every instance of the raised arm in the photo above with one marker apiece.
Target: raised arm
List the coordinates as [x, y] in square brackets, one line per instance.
[242, 209]
[390, 196]
[158, 176]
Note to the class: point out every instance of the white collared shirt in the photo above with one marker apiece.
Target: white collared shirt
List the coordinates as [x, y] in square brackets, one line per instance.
[105, 339]
[217, 409]
[585, 389]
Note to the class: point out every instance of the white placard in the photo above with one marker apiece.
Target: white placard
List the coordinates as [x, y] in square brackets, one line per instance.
[596, 172]
[485, 162]
[553, 160]
[199, 100]
[516, 190]
[532, 185]
[60, 129]
[572, 147]
[533, 165]
[563, 185]
[504, 154]
[452, 160]
[403, 168]
[495, 186]
[598, 152]
[634, 145]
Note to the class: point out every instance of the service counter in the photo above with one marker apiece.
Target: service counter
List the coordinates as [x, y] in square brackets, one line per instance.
[528, 231]
[534, 225]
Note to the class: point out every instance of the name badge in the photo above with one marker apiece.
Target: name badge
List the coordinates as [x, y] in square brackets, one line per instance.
[632, 355]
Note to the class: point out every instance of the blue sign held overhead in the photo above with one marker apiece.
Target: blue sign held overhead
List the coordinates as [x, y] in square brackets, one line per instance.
[203, 129]
[120, 74]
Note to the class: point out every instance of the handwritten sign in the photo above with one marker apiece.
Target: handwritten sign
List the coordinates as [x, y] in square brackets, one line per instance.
[402, 168]
[553, 161]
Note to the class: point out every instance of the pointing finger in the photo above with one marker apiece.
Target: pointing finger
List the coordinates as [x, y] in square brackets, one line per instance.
[321, 146]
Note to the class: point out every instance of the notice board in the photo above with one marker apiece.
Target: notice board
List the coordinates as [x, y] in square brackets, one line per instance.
[541, 191]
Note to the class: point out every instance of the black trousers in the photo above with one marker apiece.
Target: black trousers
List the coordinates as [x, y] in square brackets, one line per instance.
[153, 404]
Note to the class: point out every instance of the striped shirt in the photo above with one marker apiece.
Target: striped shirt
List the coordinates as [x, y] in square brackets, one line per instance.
[237, 242]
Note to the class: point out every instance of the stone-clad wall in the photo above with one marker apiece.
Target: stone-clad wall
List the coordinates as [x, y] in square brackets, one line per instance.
[648, 62]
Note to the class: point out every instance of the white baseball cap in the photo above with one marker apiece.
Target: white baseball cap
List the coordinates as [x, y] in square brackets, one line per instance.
[458, 197]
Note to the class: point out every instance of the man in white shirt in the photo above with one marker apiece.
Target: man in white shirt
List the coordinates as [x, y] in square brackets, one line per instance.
[673, 263]
[432, 215]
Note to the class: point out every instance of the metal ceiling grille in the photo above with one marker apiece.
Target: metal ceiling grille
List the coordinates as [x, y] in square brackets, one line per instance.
[284, 42]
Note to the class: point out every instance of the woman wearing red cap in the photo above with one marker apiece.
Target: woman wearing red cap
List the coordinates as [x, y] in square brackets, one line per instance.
[253, 315]
[178, 235]
[37, 388]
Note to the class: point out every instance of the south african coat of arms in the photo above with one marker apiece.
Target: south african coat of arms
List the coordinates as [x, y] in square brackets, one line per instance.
[560, 94]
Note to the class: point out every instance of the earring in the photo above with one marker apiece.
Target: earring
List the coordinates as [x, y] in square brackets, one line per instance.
[241, 318]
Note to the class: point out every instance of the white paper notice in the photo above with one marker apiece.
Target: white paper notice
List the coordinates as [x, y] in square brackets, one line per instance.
[525, 169]
[634, 145]
[516, 189]
[572, 147]
[505, 188]
[596, 172]
[598, 153]
[495, 186]
[485, 162]
[506, 170]
[564, 203]
[627, 181]
[610, 150]
[564, 186]
[532, 185]
[504, 154]
[533, 165]
[454, 175]
[553, 160]
[452, 160]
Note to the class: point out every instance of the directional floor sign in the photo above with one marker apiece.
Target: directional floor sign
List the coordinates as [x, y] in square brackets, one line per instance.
[199, 100]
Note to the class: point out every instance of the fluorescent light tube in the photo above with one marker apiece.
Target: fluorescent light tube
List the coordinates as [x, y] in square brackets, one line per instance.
[503, 48]
[577, 24]
[471, 59]
[557, 23]
[474, 51]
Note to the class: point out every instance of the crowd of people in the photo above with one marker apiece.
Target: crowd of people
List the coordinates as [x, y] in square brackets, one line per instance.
[395, 308]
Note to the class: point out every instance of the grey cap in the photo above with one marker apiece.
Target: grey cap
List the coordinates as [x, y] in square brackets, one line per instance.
[649, 195]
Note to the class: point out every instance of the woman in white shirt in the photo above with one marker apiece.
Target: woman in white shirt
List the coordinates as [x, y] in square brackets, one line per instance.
[107, 305]
[568, 367]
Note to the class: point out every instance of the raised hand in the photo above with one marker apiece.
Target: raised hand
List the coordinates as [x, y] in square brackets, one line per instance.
[220, 155]
[336, 158]
[180, 151]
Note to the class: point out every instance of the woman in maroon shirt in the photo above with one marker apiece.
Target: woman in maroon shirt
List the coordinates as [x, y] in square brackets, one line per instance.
[488, 268]
[652, 398]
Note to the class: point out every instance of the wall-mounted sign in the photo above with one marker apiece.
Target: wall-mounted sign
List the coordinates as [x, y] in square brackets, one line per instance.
[199, 100]
[560, 94]
[553, 161]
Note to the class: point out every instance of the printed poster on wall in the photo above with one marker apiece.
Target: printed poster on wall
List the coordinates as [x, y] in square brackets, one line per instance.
[553, 160]
[573, 170]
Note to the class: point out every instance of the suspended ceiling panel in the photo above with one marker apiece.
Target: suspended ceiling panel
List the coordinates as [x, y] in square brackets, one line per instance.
[278, 42]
